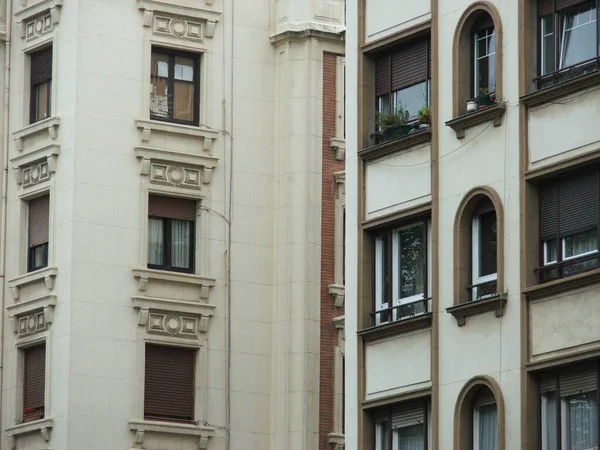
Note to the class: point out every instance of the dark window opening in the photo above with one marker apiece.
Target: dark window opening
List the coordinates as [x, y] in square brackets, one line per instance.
[40, 85]
[34, 382]
[38, 228]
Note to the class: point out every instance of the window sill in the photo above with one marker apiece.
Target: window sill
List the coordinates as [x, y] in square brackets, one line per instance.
[494, 113]
[560, 90]
[37, 8]
[142, 426]
[203, 282]
[336, 440]
[476, 307]
[337, 291]
[395, 328]
[207, 135]
[47, 274]
[338, 145]
[404, 143]
[562, 285]
[42, 426]
[49, 125]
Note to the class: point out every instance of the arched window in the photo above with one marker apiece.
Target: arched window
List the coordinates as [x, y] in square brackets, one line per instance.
[484, 250]
[483, 37]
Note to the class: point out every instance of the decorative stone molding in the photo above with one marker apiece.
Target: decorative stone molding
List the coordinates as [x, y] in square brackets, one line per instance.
[395, 328]
[177, 169]
[340, 178]
[46, 275]
[32, 316]
[207, 135]
[497, 303]
[337, 291]
[35, 167]
[141, 427]
[336, 440]
[493, 113]
[397, 145]
[339, 147]
[560, 90]
[202, 282]
[53, 7]
[37, 27]
[43, 426]
[49, 125]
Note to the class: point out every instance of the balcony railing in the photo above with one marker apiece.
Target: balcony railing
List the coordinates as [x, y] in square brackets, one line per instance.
[568, 73]
[401, 312]
[483, 290]
[568, 268]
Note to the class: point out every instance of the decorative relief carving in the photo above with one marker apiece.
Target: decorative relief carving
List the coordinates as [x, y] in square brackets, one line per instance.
[31, 324]
[173, 324]
[35, 174]
[38, 27]
[175, 175]
[178, 27]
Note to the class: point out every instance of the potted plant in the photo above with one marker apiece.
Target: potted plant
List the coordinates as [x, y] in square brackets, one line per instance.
[424, 117]
[392, 125]
[483, 99]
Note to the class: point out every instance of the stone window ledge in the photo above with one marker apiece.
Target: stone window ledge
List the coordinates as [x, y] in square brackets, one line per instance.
[49, 125]
[142, 426]
[45, 304]
[461, 311]
[207, 14]
[206, 134]
[560, 90]
[338, 145]
[182, 306]
[336, 440]
[42, 426]
[339, 322]
[397, 145]
[562, 285]
[337, 291]
[37, 8]
[47, 275]
[493, 113]
[144, 275]
[395, 328]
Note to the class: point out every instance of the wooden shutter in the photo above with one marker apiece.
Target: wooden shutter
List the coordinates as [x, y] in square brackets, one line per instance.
[34, 382]
[583, 379]
[171, 207]
[382, 75]
[548, 205]
[547, 382]
[578, 201]
[545, 6]
[407, 415]
[39, 212]
[409, 64]
[41, 66]
[169, 383]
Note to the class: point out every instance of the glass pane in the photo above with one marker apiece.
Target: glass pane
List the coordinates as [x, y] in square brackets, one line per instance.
[155, 242]
[488, 427]
[549, 434]
[547, 62]
[381, 273]
[159, 95]
[580, 243]
[578, 36]
[183, 104]
[184, 69]
[551, 251]
[180, 243]
[412, 98]
[42, 104]
[412, 261]
[411, 438]
[582, 422]
[487, 243]
[383, 103]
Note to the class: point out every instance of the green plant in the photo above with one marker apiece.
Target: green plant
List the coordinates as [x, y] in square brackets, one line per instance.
[424, 114]
[483, 91]
[387, 121]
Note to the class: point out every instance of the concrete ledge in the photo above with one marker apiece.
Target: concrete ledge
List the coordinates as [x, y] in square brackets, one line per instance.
[461, 311]
[560, 90]
[142, 426]
[42, 426]
[491, 113]
[391, 147]
[395, 328]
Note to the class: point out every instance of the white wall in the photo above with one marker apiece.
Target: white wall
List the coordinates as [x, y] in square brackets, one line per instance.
[385, 17]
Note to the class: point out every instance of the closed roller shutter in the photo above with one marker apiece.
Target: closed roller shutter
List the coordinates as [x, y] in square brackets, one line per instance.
[382, 75]
[41, 66]
[39, 213]
[171, 208]
[578, 199]
[409, 65]
[545, 6]
[408, 414]
[34, 382]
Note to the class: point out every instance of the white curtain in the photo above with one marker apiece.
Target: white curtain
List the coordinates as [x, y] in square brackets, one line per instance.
[155, 242]
[583, 422]
[581, 243]
[549, 438]
[410, 438]
[488, 427]
[180, 243]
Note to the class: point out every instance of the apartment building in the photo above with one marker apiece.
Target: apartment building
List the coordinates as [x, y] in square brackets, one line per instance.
[472, 231]
[172, 224]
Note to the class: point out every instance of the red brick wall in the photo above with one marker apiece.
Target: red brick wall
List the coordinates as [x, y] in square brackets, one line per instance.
[328, 309]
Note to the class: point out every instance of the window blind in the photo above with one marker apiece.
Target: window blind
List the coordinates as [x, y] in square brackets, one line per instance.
[41, 66]
[545, 6]
[575, 380]
[39, 213]
[382, 75]
[171, 207]
[409, 64]
[407, 415]
[169, 383]
[34, 381]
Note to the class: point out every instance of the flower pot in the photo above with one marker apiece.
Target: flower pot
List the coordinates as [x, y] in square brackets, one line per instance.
[393, 133]
[483, 99]
[472, 105]
[424, 125]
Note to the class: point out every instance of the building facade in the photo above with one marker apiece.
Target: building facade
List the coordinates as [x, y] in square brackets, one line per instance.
[472, 234]
[172, 225]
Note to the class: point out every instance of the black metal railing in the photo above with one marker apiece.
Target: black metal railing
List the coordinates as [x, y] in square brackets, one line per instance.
[568, 268]
[401, 312]
[482, 290]
[568, 73]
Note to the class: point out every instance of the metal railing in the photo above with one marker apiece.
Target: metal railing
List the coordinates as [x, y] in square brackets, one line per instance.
[483, 290]
[401, 312]
[568, 268]
[568, 73]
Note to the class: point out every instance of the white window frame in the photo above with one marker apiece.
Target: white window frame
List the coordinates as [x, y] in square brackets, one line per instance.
[545, 444]
[565, 30]
[564, 435]
[476, 423]
[476, 253]
[478, 37]
[562, 243]
[379, 429]
[379, 275]
[546, 253]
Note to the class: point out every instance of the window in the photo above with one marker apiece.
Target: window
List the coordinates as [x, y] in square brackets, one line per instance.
[175, 86]
[41, 85]
[484, 251]
[485, 421]
[169, 383]
[38, 218]
[484, 55]
[568, 45]
[171, 230]
[402, 78]
[402, 284]
[569, 408]
[402, 427]
[34, 382]
[568, 208]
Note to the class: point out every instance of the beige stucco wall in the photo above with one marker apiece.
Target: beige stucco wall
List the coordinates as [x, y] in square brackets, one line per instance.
[385, 17]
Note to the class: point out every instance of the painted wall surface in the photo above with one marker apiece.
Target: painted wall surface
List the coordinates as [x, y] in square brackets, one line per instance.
[398, 182]
[398, 364]
[385, 17]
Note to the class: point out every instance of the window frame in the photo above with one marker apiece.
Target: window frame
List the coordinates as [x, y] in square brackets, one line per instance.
[476, 252]
[384, 423]
[172, 54]
[167, 242]
[44, 246]
[476, 419]
[30, 416]
[34, 88]
[475, 37]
